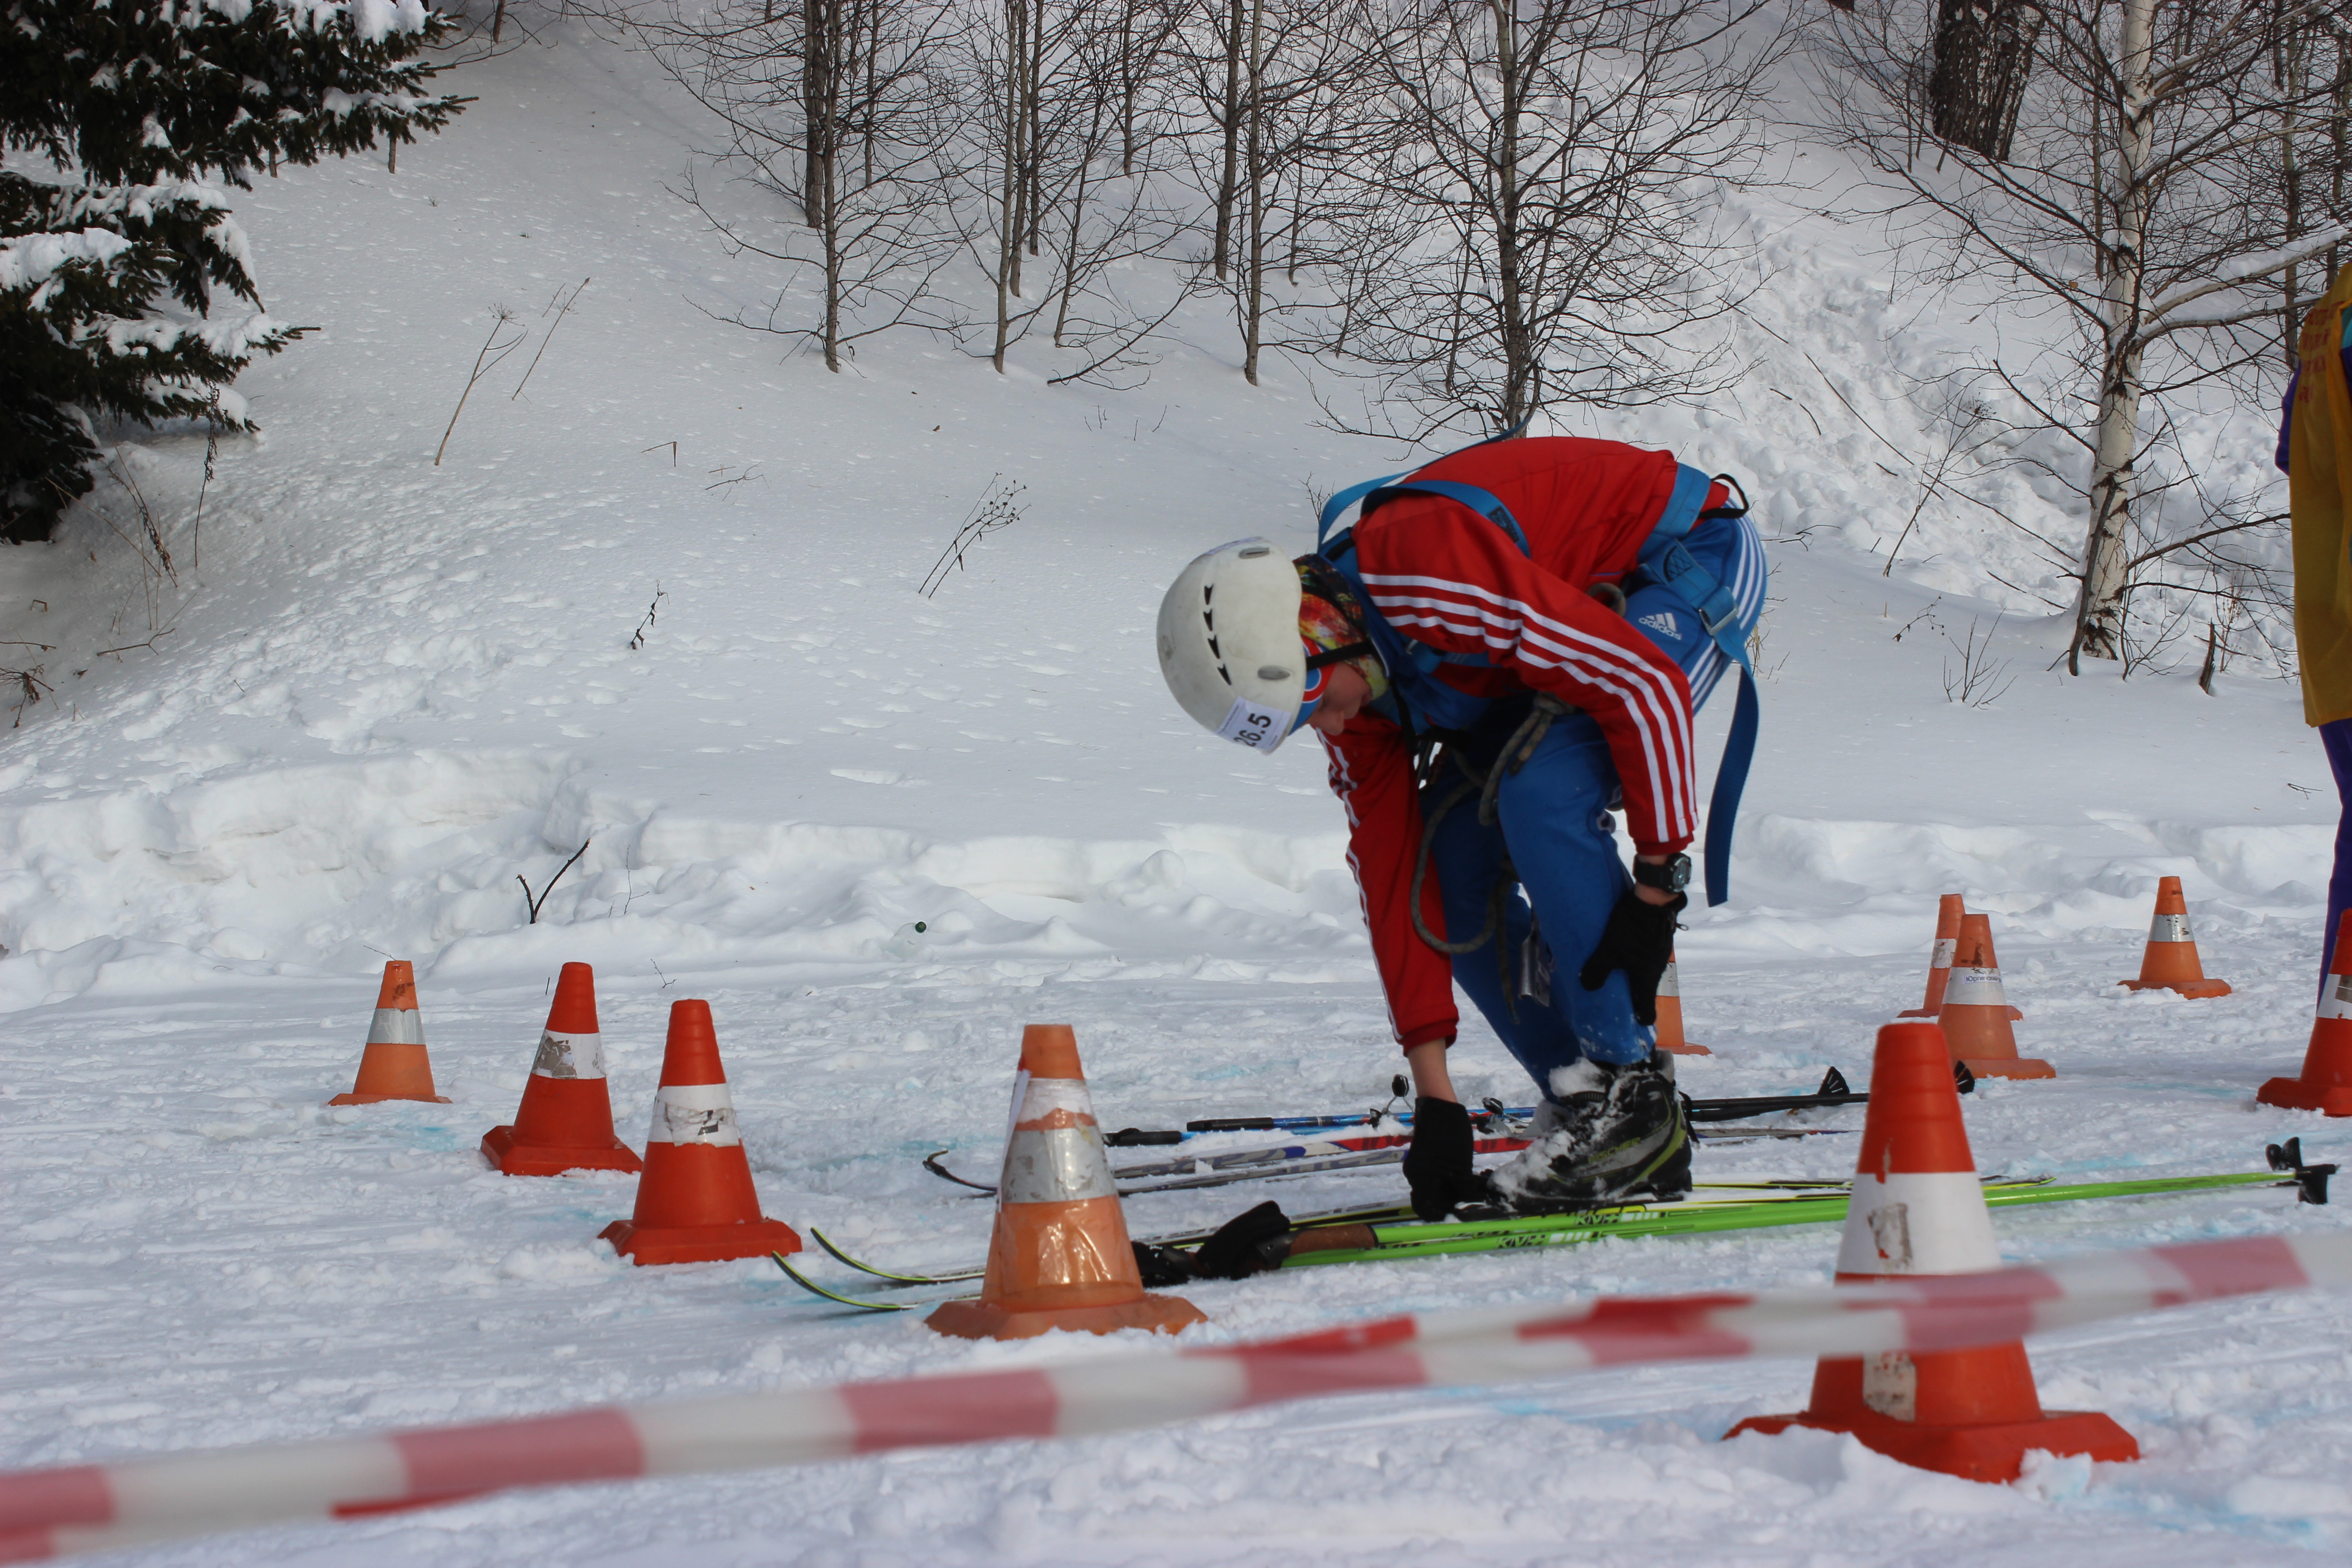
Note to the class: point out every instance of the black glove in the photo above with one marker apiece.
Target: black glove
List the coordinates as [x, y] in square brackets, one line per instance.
[1437, 1166]
[1249, 1243]
[1639, 939]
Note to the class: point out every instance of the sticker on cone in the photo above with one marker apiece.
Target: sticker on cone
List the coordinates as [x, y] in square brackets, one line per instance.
[1060, 1258]
[394, 1065]
[2170, 962]
[2324, 1084]
[1975, 1016]
[1670, 1014]
[696, 1202]
[1917, 1208]
[565, 1122]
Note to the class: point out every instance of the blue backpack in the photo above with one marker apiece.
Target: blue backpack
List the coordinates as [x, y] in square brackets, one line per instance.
[1665, 559]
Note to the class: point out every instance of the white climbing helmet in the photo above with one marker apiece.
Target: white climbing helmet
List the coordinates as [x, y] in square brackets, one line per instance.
[1229, 643]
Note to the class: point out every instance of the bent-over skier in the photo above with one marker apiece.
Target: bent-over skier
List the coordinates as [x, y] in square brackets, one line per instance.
[1508, 644]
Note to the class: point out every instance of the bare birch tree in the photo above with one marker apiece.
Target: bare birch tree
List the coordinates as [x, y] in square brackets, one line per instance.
[1306, 74]
[1534, 230]
[844, 111]
[1052, 106]
[2140, 197]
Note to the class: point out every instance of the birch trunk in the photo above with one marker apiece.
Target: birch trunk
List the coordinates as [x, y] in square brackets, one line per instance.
[2099, 618]
[1509, 262]
[1255, 293]
[1008, 229]
[1228, 185]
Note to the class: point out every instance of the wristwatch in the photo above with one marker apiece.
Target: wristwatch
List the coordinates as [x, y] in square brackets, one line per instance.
[1672, 877]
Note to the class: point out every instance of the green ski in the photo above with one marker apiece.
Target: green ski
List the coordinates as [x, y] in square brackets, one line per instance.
[1365, 1242]
[1367, 1235]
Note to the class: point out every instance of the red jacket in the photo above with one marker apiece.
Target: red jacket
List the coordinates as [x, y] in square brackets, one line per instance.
[1442, 575]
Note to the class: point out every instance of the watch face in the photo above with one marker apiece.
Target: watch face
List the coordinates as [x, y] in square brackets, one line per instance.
[1671, 878]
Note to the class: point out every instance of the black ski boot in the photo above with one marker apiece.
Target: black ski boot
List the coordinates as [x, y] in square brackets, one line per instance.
[1618, 1133]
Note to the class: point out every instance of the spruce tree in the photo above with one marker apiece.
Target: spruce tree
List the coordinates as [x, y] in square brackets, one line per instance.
[142, 113]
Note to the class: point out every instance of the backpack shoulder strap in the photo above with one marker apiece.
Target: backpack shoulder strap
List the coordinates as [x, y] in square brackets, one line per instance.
[1372, 493]
[1666, 561]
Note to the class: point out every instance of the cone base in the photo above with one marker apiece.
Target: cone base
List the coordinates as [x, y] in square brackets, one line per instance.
[355, 1097]
[2009, 1067]
[2294, 1094]
[2186, 987]
[644, 1244]
[1994, 1452]
[978, 1320]
[1686, 1049]
[499, 1148]
[1918, 1012]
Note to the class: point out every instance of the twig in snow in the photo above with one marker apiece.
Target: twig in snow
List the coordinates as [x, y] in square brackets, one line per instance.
[488, 355]
[29, 686]
[541, 898]
[196, 537]
[130, 647]
[653, 613]
[560, 313]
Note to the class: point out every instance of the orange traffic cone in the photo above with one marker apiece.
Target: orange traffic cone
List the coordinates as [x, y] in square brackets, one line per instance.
[2171, 963]
[1949, 911]
[1670, 1014]
[697, 1203]
[394, 1065]
[1975, 1014]
[1918, 1209]
[566, 1120]
[1060, 1258]
[2326, 1085]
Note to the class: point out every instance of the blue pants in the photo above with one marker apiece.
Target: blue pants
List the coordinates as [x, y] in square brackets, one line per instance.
[2338, 738]
[1553, 820]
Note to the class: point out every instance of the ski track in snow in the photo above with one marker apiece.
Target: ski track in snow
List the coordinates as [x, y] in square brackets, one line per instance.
[393, 688]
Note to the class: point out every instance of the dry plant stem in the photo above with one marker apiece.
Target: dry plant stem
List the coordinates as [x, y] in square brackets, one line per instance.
[541, 898]
[653, 613]
[487, 356]
[29, 686]
[994, 510]
[197, 535]
[560, 313]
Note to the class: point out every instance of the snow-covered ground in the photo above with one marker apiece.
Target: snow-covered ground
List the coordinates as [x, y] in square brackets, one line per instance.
[390, 689]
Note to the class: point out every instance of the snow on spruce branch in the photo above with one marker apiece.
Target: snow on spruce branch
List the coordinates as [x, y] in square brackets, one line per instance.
[33, 260]
[150, 335]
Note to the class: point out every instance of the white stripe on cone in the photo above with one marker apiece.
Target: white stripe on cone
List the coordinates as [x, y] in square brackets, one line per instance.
[396, 1026]
[1670, 983]
[2169, 928]
[1918, 1222]
[1946, 949]
[1055, 1164]
[1975, 988]
[569, 1055]
[694, 1114]
[2336, 1002]
[177, 1495]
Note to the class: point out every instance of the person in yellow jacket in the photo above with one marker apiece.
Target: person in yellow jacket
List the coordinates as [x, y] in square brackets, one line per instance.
[2315, 454]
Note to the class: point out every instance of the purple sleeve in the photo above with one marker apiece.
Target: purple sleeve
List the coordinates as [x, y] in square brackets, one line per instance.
[2286, 413]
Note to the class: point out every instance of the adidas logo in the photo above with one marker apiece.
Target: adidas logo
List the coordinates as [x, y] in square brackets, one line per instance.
[1663, 623]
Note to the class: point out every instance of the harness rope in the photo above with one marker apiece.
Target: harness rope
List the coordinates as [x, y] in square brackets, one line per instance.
[1516, 753]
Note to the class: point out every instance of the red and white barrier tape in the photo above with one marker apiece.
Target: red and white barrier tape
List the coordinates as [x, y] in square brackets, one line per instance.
[86, 1508]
